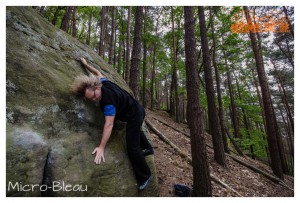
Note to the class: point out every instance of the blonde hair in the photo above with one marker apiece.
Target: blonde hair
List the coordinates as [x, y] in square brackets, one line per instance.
[82, 82]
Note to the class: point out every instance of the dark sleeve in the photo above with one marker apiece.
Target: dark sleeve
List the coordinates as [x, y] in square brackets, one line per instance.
[109, 97]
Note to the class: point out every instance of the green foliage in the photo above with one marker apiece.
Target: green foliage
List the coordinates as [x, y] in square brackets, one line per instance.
[255, 139]
[236, 47]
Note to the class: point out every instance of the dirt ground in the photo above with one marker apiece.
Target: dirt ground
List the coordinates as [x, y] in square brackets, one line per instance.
[173, 169]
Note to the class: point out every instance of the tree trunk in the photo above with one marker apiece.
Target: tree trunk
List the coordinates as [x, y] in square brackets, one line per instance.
[55, 15]
[157, 88]
[66, 19]
[247, 127]
[105, 39]
[102, 30]
[234, 118]
[88, 40]
[74, 28]
[214, 123]
[221, 113]
[287, 55]
[270, 121]
[290, 142]
[174, 77]
[115, 42]
[127, 69]
[112, 36]
[167, 98]
[289, 21]
[152, 89]
[123, 51]
[172, 102]
[280, 146]
[236, 147]
[145, 58]
[42, 10]
[136, 53]
[284, 95]
[153, 77]
[201, 180]
[260, 101]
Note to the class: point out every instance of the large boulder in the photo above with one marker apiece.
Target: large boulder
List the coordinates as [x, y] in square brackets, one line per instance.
[50, 134]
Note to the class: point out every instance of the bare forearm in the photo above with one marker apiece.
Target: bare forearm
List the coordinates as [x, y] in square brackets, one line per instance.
[93, 70]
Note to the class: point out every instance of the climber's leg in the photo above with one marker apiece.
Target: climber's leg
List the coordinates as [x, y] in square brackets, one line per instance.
[140, 167]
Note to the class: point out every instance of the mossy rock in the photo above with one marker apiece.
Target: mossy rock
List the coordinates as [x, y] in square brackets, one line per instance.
[50, 133]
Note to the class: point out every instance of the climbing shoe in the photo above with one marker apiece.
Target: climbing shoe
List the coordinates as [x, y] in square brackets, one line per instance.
[147, 152]
[145, 184]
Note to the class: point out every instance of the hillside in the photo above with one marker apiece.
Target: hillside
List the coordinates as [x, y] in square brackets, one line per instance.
[173, 169]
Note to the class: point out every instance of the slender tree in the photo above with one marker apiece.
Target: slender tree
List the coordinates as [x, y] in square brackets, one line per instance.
[106, 33]
[280, 145]
[284, 95]
[121, 46]
[221, 113]
[201, 180]
[88, 40]
[136, 53]
[55, 15]
[269, 115]
[115, 37]
[112, 36]
[74, 27]
[290, 142]
[42, 10]
[214, 123]
[66, 19]
[153, 72]
[127, 69]
[234, 118]
[289, 21]
[246, 123]
[174, 76]
[145, 57]
[102, 31]
[121, 51]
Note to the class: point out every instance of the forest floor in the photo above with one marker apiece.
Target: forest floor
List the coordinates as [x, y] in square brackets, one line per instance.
[172, 169]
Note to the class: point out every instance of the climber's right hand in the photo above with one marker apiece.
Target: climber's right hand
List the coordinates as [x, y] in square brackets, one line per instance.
[99, 155]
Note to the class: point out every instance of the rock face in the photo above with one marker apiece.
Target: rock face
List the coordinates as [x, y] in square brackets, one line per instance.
[49, 133]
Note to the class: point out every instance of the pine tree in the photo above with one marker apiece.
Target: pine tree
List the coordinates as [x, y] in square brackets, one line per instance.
[201, 180]
[136, 53]
[214, 123]
[267, 103]
[127, 68]
[66, 19]
[112, 36]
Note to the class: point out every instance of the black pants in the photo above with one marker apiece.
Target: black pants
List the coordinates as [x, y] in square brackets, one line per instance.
[136, 141]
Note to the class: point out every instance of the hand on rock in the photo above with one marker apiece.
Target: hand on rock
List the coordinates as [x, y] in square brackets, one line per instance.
[83, 61]
[99, 155]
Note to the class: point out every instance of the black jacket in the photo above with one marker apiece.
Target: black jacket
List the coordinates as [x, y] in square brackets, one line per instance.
[127, 108]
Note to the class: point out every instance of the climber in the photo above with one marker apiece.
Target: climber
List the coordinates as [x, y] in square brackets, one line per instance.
[117, 103]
